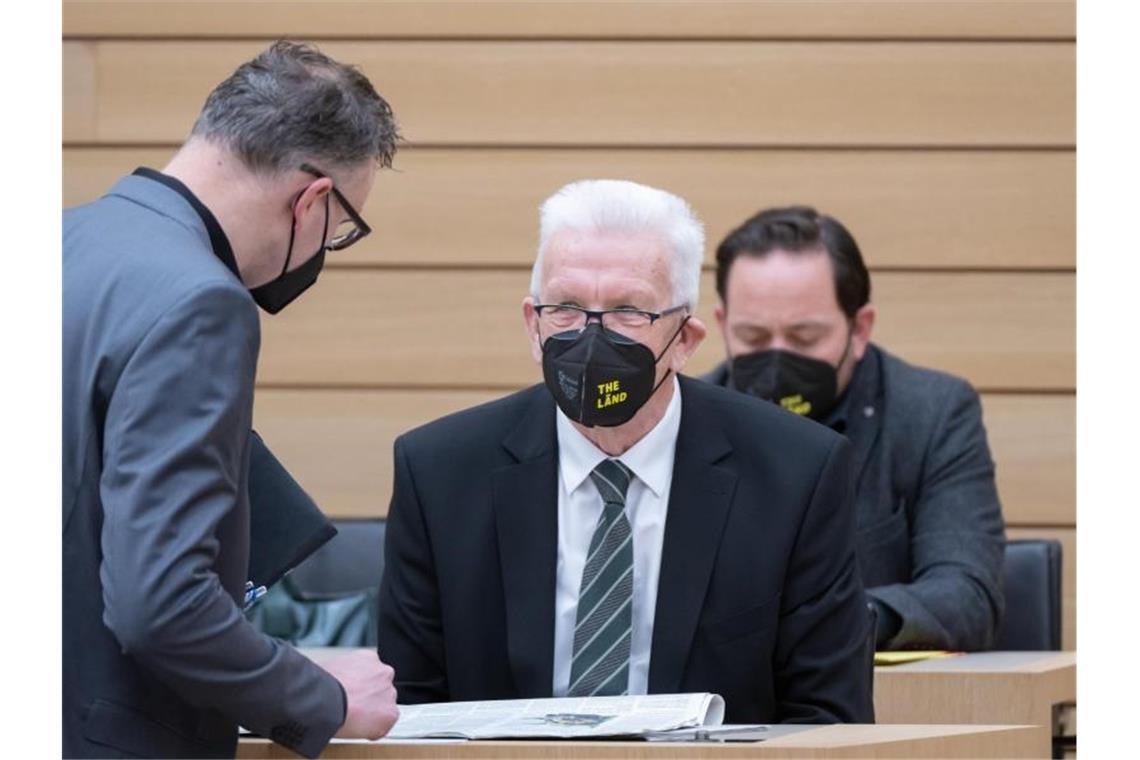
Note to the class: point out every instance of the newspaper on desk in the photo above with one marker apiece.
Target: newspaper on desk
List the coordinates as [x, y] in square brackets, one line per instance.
[558, 718]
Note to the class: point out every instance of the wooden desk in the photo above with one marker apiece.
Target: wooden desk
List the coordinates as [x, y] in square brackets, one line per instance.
[840, 741]
[1005, 688]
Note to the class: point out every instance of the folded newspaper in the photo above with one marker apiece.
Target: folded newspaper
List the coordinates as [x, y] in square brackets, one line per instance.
[559, 718]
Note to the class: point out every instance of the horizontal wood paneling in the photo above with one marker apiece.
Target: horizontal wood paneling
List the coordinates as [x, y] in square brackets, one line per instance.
[1068, 539]
[851, 18]
[1033, 441]
[619, 93]
[1001, 331]
[79, 91]
[906, 208]
[338, 443]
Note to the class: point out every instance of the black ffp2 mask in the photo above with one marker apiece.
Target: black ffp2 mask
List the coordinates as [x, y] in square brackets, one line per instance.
[598, 377]
[798, 383]
[276, 294]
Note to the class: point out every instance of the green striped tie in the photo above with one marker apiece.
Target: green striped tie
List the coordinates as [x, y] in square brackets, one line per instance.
[600, 665]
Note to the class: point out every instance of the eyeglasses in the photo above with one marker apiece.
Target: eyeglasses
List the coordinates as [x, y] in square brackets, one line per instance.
[563, 317]
[349, 231]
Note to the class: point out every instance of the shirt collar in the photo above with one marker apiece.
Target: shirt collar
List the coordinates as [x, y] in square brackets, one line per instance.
[839, 417]
[650, 459]
[218, 240]
[836, 419]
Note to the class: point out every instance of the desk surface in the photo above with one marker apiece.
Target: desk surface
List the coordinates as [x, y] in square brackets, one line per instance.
[839, 741]
[1009, 688]
[982, 689]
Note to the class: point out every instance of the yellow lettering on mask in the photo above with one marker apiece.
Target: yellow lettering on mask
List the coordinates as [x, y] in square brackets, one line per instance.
[613, 386]
[612, 398]
[796, 404]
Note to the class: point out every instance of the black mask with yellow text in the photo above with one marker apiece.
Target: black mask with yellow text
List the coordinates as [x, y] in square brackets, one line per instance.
[798, 383]
[599, 377]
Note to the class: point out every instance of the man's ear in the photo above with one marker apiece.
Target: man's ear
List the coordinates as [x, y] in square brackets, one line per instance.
[530, 324]
[864, 323]
[720, 312]
[687, 343]
[313, 194]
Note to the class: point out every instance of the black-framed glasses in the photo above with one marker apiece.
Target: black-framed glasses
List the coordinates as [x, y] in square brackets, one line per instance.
[349, 231]
[563, 317]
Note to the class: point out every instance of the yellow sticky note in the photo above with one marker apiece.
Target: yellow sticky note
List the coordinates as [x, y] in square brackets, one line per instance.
[916, 655]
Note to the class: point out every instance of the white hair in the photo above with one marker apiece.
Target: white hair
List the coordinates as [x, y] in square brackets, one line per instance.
[613, 205]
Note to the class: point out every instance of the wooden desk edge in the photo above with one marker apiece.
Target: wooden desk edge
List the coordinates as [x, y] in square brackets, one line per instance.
[834, 741]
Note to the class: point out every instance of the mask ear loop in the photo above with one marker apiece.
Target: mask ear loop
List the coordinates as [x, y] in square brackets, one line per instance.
[664, 377]
[292, 234]
[847, 348]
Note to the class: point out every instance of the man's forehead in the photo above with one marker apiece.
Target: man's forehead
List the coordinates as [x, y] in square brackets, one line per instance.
[790, 283]
[630, 261]
[637, 254]
[590, 284]
[575, 242]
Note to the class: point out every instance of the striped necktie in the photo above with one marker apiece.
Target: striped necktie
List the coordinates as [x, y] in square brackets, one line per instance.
[604, 623]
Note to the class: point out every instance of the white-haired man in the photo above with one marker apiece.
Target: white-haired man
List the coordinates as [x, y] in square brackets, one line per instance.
[621, 529]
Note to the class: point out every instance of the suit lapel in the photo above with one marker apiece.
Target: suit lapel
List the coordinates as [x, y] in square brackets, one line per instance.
[525, 496]
[699, 501]
[864, 412]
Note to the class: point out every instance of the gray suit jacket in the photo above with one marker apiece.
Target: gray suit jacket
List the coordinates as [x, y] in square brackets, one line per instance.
[930, 535]
[160, 343]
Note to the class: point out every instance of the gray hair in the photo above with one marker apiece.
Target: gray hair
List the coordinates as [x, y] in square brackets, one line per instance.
[611, 205]
[292, 104]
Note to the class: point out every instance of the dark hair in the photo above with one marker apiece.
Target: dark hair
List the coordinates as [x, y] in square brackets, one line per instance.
[293, 103]
[799, 229]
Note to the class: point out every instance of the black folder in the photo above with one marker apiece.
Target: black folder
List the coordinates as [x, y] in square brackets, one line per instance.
[286, 525]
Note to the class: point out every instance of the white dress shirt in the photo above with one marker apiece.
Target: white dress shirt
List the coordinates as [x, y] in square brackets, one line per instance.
[580, 506]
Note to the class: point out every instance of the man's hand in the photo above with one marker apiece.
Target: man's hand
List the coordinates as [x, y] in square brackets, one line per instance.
[371, 697]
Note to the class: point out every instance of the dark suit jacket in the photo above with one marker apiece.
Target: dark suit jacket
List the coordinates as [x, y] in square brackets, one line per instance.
[160, 342]
[759, 595]
[930, 537]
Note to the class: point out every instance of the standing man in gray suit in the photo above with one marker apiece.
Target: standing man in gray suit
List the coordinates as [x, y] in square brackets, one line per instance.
[796, 315]
[161, 279]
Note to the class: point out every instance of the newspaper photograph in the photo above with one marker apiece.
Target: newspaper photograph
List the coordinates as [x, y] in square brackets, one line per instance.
[558, 718]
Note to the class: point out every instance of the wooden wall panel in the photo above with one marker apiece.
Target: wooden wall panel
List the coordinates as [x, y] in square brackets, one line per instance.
[861, 18]
[1001, 331]
[1033, 441]
[79, 92]
[1068, 539]
[655, 93]
[338, 443]
[906, 208]
[464, 328]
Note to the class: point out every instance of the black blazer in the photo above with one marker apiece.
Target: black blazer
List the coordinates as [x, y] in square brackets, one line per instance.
[759, 597]
[930, 537]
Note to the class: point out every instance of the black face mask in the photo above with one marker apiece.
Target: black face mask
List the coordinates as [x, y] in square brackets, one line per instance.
[599, 377]
[276, 294]
[800, 384]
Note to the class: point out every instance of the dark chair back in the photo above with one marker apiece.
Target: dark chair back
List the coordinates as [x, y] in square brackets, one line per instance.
[1032, 583]
[353, 560]
[330, 598]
